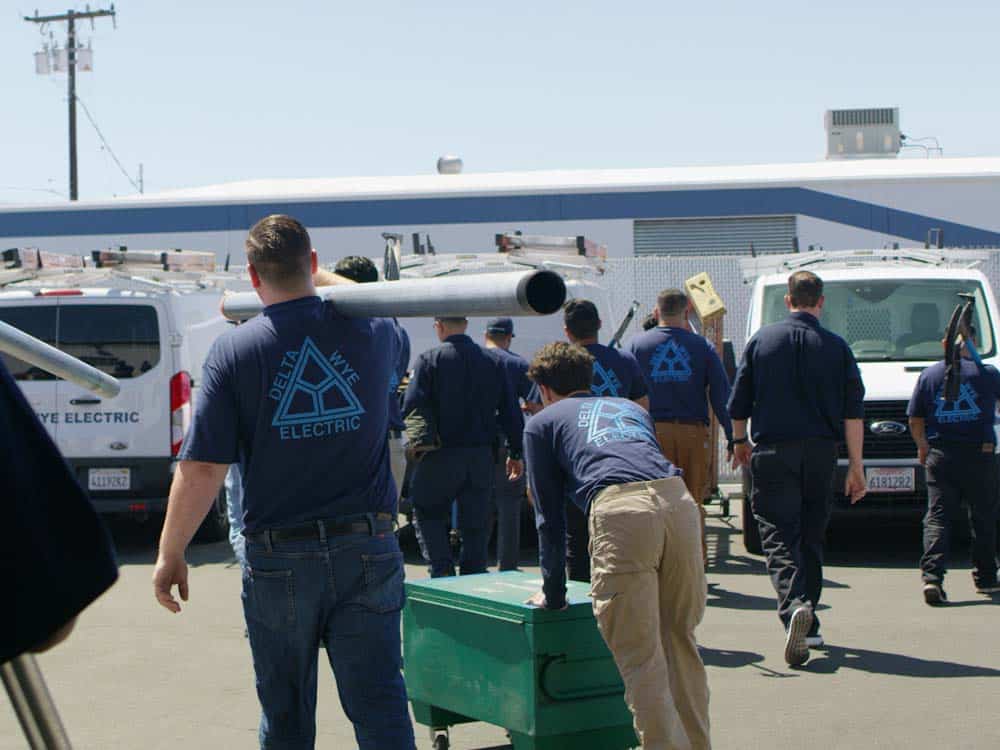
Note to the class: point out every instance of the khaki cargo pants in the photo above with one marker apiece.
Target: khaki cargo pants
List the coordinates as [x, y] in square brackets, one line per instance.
[687, 446]
[649, 591]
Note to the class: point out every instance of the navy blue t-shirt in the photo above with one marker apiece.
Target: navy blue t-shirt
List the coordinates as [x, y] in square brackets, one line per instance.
[297, 395]
[467, 390]
[678, 366]
[616, 374]
[516, 368]
[398, 373]
[969, 419]
[576, 447]
[797, 381]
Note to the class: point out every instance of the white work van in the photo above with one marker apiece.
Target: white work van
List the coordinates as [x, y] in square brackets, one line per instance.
[891, 306]
[150, 334]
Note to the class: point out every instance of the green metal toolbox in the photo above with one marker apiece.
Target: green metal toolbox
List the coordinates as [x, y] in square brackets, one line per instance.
[474, 651]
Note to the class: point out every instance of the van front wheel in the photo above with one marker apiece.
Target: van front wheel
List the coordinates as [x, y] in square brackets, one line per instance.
[215, 527]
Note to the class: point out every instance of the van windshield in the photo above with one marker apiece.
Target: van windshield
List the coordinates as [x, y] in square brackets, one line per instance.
[892, 319]
[121, 340]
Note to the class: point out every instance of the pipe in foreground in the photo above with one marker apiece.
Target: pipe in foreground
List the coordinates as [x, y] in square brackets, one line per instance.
[40, 722]
[480, 295]
[38, 353]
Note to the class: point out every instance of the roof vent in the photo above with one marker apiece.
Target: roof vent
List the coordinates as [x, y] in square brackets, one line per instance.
[449, 164]
[862, 133]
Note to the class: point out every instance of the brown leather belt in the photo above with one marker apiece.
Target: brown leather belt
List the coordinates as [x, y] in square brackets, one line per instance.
[375, 523]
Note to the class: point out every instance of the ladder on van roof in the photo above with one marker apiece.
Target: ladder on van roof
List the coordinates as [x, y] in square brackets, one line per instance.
[150, 270]
[568, 256]
[763, 265]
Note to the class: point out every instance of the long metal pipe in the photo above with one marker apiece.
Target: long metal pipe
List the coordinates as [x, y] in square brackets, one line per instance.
[480, 295]
[38, 353]
[43, 729]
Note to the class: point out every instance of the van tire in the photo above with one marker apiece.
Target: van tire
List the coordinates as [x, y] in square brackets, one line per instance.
[215, 527]
[751, 531]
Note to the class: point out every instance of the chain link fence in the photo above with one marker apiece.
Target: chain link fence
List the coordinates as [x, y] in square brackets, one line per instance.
[642, 278]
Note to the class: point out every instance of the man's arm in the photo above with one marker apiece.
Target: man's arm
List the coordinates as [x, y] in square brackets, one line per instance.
[420, 388]
[855, 485]
[740, 406]
[322, 277]
[196, 485]
[918, 431]
[512, 424]
[548, 491]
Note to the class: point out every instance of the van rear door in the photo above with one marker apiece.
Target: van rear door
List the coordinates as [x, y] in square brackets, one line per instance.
[37, 317]
[124, 337]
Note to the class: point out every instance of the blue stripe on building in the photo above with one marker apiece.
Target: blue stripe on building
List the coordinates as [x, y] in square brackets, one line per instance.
[660, 204]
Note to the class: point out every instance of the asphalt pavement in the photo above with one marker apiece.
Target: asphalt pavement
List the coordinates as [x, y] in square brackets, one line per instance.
[895, 673]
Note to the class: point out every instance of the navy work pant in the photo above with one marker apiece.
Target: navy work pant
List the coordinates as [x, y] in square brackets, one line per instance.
[958, 474]
[577, 544]
[463, 475]
[508, 497]
[791, 499]
[346, 592]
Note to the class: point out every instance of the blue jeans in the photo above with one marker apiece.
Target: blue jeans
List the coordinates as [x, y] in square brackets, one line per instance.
[234, 509]
[347, 590]
[463, 475]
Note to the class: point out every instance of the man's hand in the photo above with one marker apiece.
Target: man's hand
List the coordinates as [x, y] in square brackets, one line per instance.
[170, 571]
[741, 454]
[538, 600]
[855, 486]
[515, 468]
[922, 449]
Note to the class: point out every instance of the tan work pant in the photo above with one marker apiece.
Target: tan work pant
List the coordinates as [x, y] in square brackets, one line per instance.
[648, 587]
[686, 446]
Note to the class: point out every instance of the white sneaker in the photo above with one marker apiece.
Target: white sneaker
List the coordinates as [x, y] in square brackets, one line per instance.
[796, 649]
[815, 641]
[934, 594]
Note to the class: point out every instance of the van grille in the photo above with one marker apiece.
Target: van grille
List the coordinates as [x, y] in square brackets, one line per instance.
[886, 445]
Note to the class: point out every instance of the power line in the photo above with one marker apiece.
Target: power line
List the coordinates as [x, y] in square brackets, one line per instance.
[107, 146]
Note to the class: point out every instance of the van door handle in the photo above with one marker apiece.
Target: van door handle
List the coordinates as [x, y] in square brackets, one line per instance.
[81, 401]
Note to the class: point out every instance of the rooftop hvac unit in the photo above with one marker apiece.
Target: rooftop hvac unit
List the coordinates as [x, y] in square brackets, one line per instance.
[862, 133]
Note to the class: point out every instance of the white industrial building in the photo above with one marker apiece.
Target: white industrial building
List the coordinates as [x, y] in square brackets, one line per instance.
[834, 204]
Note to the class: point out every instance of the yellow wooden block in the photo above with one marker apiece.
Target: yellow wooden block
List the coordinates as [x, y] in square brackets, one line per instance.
[707, 304]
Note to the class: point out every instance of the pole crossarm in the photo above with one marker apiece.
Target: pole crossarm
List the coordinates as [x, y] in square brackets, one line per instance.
[75, 14]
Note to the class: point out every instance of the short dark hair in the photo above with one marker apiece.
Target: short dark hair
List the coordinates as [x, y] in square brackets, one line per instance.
[649, 322]
[581, 318]
[279, 249]
[671, 302]
[451, 321]
[804, 289]
[356, 268]
[563, 367]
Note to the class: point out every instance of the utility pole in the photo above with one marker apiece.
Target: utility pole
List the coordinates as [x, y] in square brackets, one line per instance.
[70, 17]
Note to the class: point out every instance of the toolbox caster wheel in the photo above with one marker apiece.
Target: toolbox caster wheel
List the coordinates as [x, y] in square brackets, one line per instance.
[440, 741]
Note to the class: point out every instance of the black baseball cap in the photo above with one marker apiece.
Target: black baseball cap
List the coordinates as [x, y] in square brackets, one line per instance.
[504, 326]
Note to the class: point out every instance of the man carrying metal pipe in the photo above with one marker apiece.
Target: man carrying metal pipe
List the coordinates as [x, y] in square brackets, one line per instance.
[298, 397]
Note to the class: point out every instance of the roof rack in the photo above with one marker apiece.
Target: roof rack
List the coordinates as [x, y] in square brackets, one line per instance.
[790, 262]
[151, 270]
[568, 256]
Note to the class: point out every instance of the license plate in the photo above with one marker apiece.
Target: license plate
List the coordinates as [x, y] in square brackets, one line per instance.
[890, 479]
[109, 479]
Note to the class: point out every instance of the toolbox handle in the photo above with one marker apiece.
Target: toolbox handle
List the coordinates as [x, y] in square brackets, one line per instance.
[573, 695]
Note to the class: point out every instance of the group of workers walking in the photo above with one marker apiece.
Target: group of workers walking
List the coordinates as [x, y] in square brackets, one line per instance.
[614, 454]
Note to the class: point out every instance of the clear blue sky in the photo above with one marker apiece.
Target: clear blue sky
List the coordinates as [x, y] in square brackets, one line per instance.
[205, 92]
